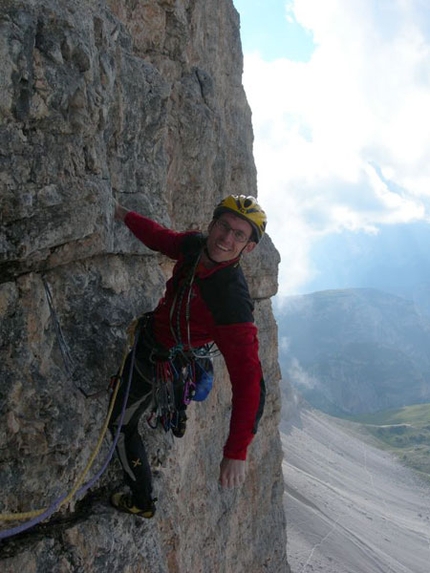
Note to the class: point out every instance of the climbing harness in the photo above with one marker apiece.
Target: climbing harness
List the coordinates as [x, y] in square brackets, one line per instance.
[187, 376]
[178, 372]
[171, 373]
[37, 516]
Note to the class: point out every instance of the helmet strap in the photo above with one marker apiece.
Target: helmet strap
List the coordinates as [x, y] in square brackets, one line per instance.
[209, 257]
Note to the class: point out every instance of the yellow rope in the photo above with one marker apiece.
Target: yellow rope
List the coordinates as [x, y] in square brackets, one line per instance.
[80, 479]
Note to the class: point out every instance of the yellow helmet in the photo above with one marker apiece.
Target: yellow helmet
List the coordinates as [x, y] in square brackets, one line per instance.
[245, 207]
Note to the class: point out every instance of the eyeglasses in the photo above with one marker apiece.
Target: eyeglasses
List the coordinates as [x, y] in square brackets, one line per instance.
[238, 235]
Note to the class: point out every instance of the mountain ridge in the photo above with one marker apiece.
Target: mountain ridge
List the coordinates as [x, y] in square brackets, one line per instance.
[352, 351]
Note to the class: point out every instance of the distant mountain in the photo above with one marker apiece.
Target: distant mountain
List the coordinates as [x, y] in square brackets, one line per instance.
[396, 259]
[355, 351]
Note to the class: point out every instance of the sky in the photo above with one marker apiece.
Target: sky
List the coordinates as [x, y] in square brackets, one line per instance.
[340, 98]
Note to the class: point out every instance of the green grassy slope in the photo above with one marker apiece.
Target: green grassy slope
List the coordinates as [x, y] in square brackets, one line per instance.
[405, 431]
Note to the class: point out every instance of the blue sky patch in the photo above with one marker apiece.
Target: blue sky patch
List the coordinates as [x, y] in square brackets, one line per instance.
[266, 28]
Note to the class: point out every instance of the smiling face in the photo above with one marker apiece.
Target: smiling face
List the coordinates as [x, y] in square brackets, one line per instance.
[229, 236]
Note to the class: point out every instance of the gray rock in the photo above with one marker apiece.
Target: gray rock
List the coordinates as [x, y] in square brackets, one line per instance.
[140, 102]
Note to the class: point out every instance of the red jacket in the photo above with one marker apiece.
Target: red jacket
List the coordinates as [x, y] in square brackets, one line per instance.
[220, 312]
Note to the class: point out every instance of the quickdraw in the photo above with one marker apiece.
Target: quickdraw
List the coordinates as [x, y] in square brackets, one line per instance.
[173, 389]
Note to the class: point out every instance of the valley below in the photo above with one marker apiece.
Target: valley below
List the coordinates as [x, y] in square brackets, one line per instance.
[350, 506]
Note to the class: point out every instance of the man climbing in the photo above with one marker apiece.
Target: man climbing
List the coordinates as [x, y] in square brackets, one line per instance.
[206, 301]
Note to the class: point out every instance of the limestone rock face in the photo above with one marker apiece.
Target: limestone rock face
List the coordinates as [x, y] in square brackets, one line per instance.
[140, 102]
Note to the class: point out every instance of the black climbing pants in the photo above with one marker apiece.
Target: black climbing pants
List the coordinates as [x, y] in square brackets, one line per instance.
[130, 449]
[157, 381]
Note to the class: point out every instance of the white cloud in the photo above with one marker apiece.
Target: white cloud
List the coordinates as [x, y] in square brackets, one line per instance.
[343, 141]
[299, 377]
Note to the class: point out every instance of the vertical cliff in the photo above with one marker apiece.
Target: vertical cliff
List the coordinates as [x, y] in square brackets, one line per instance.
[141, 101]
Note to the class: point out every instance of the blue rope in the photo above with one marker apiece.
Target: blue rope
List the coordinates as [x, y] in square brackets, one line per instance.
[54, 506]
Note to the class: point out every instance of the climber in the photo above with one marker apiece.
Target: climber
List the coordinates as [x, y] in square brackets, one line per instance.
[206, 301]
